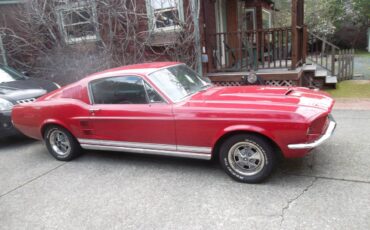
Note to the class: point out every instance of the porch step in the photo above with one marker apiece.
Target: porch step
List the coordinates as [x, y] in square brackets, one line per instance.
[331, 81]
[321, 73]
[309, 67]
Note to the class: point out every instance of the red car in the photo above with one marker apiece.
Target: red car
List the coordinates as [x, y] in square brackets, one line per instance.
[167, 109]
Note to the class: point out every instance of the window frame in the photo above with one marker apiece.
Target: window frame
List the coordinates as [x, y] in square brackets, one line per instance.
[253, 10]
[75, 6]
[91, 94]
[152, 22]
[265, 12]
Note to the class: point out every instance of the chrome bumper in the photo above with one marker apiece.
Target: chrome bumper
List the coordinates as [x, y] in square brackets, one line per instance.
[322, 139]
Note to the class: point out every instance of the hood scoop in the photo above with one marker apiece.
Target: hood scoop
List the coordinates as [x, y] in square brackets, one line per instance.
[289, 92]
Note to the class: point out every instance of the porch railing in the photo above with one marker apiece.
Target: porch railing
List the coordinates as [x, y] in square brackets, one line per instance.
[250, 50]
[338, 62]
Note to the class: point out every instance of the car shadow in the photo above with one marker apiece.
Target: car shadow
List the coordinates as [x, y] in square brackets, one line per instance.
[285, 167]
[145, 159]
[15, 141]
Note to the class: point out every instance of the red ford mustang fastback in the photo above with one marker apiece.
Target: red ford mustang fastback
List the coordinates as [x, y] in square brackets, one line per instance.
[167, 109]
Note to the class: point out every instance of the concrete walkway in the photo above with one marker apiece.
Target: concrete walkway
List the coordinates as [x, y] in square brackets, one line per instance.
[329, 189]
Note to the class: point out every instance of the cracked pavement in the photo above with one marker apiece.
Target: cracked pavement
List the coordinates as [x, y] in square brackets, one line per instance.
[329, 189]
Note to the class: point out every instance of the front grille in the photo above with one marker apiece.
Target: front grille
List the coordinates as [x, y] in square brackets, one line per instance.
[28, 100]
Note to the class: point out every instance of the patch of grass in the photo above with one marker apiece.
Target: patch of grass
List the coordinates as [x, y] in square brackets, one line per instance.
[362, 53]
[351, 89]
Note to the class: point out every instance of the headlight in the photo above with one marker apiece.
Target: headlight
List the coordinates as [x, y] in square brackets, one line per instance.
[252, 78]
[5, 105]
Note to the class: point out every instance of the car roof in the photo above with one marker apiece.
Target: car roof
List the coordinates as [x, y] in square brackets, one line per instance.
[140, 69]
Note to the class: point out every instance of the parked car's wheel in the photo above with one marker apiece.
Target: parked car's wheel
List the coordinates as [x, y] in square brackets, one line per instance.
[247, 158]
[61, 143]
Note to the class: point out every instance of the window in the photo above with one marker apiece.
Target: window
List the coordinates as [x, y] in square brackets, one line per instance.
[165, 14]
[266, 19]
[8, 74]
[118, 90]
[77, 21]
[249, 24]
[250, 19]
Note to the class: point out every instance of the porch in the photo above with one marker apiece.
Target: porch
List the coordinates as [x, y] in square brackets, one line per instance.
[240, 37]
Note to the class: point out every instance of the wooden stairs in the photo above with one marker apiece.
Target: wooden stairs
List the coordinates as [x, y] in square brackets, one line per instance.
[320, 78]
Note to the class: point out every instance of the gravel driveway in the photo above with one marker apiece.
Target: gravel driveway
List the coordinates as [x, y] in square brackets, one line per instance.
[330, 189]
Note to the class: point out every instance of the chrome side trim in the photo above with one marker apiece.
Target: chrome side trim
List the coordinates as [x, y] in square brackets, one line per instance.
[322, 139]
[184, 148]
[128, 144]
[148, 148]
[203, 156]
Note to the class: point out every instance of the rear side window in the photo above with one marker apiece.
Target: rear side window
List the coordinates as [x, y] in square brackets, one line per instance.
[118, 90]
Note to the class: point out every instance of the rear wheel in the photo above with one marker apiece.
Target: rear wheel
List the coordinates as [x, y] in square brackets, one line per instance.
[247, 158]
[61, 143]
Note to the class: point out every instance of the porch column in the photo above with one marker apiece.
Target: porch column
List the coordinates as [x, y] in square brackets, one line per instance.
[298, 33]
[208, 29]
[294, 34]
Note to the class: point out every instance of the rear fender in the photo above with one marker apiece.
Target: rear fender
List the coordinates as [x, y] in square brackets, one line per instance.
[53, 122]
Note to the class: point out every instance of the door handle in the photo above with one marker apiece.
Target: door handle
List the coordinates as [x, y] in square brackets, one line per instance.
[94, 110]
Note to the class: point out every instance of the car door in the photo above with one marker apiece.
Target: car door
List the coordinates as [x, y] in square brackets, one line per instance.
[126, 111]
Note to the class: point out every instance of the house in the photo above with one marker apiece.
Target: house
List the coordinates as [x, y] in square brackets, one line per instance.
[7, 19]
[223, 39]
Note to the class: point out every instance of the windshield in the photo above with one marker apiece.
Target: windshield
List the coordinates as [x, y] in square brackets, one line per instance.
[8, 74]
[178, 82]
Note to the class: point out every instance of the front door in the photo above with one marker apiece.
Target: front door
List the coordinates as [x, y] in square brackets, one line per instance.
[126, 113]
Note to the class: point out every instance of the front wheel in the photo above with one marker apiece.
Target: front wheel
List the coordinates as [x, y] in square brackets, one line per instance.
[61, 143]
[247, 158]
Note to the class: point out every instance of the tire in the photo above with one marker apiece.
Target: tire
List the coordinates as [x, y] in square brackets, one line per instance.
[61, 143]
[247, 158]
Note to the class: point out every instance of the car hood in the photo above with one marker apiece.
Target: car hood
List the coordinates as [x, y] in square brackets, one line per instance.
[292, 99]
[24, 89]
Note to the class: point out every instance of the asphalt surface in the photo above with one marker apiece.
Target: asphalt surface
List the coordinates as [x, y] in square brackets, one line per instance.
[329, 189]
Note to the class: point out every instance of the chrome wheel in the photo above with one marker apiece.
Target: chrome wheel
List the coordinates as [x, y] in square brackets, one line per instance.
[60, 143]
[246, 158]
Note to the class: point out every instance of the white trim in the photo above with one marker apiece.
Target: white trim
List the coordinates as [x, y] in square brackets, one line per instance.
[148, 148]
[270, 18]
[221, 27]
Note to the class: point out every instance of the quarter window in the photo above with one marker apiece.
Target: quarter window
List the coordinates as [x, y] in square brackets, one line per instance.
[119, 90]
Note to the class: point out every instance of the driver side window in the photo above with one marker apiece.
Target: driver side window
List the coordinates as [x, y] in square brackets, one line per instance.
[119, 90]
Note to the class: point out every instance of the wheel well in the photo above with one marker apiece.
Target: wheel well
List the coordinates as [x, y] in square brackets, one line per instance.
[45, 126]
[217, 146]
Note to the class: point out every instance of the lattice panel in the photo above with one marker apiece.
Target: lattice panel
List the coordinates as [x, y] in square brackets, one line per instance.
[226, 83]
[279, 82]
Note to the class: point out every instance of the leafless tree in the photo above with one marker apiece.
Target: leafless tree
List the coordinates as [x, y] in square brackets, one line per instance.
[65, 40]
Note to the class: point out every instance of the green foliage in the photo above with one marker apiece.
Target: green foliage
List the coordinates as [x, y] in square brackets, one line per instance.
[351, 89]
[326, 17]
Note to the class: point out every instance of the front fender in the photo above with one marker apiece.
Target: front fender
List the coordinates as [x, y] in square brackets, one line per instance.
[243, 128]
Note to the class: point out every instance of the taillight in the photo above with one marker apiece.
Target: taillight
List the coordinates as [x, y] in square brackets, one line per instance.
[318, 125]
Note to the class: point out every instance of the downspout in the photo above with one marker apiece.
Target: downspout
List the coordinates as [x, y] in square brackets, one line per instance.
[195, 6]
